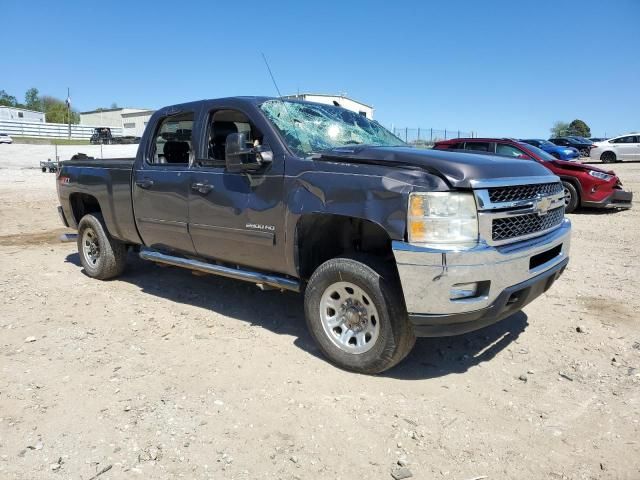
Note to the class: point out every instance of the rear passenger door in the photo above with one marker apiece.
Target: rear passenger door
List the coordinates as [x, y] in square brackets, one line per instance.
[162, 184]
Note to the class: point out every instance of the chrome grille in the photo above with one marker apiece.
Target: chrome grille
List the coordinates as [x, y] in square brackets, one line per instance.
[506, 228]
[523, 192]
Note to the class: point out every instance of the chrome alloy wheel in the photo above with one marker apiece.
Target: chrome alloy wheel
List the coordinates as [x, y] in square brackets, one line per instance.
[567, 197]
[90, 246]
[349, 317]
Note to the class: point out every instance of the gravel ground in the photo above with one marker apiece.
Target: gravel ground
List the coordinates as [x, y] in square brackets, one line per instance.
[162, 374]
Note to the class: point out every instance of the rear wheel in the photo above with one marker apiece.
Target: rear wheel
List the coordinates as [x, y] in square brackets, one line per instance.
[571, 197]
[101, 255]
[608, 157]
[584, 152]
[356, 314]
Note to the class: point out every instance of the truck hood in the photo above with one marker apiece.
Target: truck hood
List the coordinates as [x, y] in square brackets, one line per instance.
[456, 168]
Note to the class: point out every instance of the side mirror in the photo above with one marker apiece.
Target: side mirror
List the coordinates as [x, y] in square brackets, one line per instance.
[236, 153]
[239, 157]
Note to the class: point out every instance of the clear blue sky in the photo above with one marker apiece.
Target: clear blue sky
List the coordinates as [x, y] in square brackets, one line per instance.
[496, 67]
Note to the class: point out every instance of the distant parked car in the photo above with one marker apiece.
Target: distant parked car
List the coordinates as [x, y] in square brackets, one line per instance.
[101, 135]
[598, 139]
[5, 138]
[561, 153]
[584, 185]
[580, 144]
[618, 149]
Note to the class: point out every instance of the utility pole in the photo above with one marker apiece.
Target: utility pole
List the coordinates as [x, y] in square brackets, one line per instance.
[68, 102]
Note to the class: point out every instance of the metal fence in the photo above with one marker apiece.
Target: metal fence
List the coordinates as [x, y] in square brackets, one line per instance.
[50, 130]
[426, 137]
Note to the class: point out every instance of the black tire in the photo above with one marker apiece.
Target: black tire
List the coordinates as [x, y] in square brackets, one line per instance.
[395, 337]
[572, 198]
[608, 157]
[585, 152]
[110, 256]
[44, 169]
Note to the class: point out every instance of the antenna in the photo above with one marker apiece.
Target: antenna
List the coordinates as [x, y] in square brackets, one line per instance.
[271, 74]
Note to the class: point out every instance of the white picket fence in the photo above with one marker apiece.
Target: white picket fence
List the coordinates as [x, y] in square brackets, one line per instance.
[50, 130]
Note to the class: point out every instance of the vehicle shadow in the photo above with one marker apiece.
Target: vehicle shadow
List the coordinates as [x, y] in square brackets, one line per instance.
[441, 356]
[283, 314]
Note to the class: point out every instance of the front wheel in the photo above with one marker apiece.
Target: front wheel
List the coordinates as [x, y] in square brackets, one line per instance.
[356, 314]
[101, 255]
[571, 197]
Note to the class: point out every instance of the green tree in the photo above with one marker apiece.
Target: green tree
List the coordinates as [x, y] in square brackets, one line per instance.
[560, 129]
[32, 100]
[56, 110]
[579, 128]
[7, 100]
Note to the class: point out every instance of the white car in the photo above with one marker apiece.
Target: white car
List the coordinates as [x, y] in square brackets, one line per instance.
[5, 138]
[618, 149]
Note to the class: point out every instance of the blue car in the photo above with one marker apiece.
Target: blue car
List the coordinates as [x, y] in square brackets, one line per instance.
[561, 153]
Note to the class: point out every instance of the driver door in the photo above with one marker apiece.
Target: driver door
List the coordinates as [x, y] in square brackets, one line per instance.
[236, 217]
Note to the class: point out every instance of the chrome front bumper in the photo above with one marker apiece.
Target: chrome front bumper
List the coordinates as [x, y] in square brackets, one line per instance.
[428, 276]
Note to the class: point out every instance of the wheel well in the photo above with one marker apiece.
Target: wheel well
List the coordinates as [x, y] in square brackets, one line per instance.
[576, 184]
[321, 237]
[83, 203]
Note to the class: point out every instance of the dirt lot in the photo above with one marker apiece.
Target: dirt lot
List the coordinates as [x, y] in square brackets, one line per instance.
[161, 374]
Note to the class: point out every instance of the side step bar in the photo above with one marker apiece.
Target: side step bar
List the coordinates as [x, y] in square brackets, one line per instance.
[68, 237]
[260, 279]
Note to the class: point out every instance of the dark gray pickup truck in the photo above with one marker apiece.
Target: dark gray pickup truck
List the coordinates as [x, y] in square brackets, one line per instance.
[387, 242]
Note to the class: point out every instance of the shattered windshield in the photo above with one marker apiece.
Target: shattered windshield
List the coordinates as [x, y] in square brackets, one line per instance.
[309, 128]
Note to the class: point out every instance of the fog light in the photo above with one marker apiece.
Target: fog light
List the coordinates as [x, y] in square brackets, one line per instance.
[464, 290]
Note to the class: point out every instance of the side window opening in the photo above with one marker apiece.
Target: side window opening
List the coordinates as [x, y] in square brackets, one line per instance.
[173, 140]
[509, 150]
[221, 124]
[478, 146]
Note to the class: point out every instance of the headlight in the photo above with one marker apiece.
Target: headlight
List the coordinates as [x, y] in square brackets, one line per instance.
[442, 218]
[600, 175]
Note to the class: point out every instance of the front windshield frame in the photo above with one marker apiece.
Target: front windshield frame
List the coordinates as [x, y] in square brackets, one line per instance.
[309, 128]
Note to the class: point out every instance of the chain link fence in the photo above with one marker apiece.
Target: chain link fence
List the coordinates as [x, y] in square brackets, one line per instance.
[426, 137]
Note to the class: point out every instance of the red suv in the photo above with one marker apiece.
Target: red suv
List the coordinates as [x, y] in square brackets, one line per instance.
[584, 185]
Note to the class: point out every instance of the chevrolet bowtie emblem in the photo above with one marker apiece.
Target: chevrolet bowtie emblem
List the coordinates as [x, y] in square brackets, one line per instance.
[542, 205]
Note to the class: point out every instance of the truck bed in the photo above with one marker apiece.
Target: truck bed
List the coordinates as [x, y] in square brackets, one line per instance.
[124, 162]
[109, 182]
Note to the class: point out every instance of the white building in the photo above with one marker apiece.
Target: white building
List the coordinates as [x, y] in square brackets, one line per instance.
[21, 115]
[134, 123]
[131, 120]
[340, 100]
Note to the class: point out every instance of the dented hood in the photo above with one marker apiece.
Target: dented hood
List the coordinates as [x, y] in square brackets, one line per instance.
[456, 168]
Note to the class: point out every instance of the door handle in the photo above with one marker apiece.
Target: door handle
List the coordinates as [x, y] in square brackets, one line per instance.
[146, 183]
[201, 187]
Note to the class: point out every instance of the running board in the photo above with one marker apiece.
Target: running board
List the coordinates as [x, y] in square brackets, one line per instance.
[260, 279]
[68, 237]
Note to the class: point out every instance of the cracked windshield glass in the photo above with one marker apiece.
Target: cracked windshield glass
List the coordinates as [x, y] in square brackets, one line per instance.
[314, 128]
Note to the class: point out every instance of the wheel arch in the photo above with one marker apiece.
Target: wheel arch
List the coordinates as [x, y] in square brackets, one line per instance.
[609, 151]
[82, 204]
[321, 236]
[576, 183]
